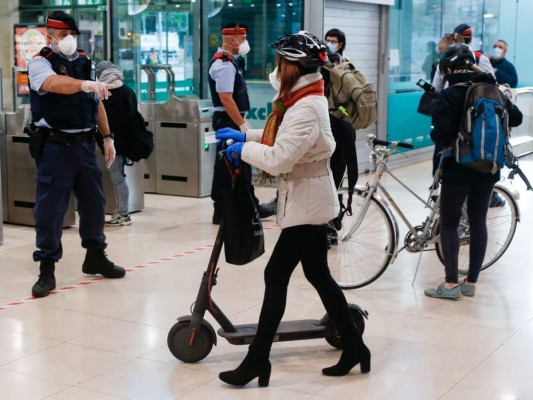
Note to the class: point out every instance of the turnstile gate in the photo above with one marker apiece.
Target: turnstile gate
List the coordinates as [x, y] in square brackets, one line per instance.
[20, 173]
[184, 162]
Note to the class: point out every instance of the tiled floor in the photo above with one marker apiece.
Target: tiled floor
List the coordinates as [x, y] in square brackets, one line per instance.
[107, 339]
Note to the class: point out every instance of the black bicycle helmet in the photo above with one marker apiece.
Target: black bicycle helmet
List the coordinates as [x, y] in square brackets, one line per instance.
[302, 47]
[456, 55]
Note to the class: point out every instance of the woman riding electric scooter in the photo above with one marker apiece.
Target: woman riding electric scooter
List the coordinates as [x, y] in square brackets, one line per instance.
[296, 145]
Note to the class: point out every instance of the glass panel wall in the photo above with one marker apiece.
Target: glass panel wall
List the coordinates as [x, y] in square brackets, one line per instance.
[416, 27]
[155, 33]
[266, 21]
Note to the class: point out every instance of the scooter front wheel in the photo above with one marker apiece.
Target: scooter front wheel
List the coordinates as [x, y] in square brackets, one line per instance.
[332, 334]
[186, 349]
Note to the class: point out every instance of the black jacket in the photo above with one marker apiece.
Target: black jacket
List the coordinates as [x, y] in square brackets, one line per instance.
[446, 119]
[117, 108]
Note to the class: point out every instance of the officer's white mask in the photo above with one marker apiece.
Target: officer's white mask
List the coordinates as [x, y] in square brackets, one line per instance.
[244, 48]
[274, 80]
[68, 45]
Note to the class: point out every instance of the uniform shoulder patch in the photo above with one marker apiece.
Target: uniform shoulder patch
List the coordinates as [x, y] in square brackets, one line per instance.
[223, 56]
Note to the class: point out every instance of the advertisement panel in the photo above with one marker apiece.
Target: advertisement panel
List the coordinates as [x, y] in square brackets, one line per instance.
[29, 40]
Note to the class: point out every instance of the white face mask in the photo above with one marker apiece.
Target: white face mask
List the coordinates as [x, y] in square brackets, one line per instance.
[496, 53]
[68, 45]
[274, 80]
[244, 48]
[332, 47]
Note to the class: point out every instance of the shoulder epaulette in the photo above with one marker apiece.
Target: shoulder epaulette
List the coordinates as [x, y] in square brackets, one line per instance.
[45, 52]
[222, 56]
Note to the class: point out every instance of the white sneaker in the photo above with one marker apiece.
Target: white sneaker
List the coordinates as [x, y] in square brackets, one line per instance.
[119, 220]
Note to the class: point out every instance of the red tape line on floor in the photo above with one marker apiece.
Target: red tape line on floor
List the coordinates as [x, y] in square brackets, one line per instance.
[99, 278]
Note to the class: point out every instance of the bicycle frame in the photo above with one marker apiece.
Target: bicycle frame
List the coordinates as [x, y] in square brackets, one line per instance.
[374, 187]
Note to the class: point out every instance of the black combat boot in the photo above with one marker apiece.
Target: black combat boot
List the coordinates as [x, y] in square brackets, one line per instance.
[96, 262]
[47, 280]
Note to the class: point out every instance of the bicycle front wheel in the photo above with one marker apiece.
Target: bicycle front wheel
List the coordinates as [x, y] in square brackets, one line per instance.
[502, 219]
[358, 255]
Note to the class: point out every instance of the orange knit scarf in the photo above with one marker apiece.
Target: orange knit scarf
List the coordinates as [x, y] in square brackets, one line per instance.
[280, 106]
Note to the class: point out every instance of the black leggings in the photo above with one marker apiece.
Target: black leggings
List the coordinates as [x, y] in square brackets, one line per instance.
[308, 244]
[452, 199]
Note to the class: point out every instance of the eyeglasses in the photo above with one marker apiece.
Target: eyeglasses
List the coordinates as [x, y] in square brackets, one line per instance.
[332, 41]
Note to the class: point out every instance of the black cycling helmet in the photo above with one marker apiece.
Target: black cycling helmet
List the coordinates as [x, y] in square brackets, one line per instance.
[456, 55]
[303, 48]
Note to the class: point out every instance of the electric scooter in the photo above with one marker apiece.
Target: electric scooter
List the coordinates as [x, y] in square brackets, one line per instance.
[192, 337]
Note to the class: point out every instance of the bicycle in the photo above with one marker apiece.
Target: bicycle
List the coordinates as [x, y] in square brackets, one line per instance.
[367, 242]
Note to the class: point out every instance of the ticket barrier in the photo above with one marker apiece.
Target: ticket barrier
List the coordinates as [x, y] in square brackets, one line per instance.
[19, 180]
[182, 162]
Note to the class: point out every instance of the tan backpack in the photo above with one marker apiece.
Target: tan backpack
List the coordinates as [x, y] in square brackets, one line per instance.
[351, 97]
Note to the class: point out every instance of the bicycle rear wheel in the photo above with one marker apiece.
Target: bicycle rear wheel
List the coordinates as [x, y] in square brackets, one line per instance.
[501, 226]
[358, 256]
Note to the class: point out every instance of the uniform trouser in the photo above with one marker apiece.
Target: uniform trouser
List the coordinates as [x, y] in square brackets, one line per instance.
[61, 170]
[221, 173]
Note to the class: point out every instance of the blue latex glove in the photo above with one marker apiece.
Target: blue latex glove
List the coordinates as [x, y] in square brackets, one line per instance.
[233, 152]
[229, 133]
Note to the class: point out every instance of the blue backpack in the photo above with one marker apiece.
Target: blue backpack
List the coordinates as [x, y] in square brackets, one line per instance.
[483, 140]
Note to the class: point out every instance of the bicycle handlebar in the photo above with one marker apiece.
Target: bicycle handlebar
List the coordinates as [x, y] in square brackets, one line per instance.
[387, 143]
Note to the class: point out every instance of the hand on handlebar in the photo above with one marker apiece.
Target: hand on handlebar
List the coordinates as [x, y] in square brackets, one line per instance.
[233, 152]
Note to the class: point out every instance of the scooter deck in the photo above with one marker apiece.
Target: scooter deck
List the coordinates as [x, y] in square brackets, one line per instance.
[287, 331]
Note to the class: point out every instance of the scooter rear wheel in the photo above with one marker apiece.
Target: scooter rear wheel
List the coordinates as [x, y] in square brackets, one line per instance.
[178, 343]
[332, 334]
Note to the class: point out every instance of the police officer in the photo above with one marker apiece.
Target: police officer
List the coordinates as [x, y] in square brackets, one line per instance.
[230, 100]
[66, 109]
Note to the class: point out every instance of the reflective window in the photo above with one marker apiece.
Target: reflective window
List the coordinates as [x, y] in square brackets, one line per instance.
[418, 25]
[155, 34]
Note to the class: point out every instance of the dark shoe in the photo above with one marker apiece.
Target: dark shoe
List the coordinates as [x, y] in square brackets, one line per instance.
[496, 200]
[217, 217]
[251, 367]
[46, 281]
[96, 262]
[353, 353]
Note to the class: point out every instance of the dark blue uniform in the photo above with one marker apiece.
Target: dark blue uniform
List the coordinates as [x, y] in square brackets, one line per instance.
[68, 162]
[221, 175]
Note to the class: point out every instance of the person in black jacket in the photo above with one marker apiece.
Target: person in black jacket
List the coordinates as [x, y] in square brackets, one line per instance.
[117, 107]
[460, 182]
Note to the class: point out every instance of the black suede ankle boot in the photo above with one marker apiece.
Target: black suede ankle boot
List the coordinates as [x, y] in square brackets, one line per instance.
[96, 262]
[46, 281]
[253, 366]
[354, 352]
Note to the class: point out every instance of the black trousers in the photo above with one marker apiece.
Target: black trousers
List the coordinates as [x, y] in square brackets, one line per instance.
[221, 174]
[452, 199]
[306, 244]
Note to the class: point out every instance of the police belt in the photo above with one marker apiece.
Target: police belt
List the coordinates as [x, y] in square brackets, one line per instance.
[66, 138]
